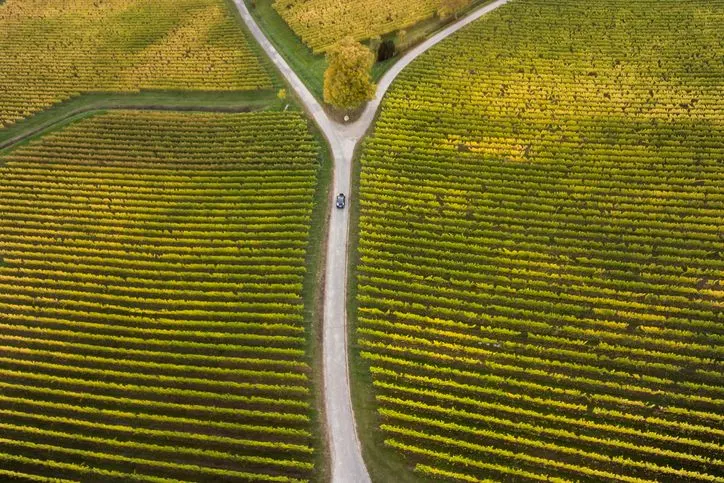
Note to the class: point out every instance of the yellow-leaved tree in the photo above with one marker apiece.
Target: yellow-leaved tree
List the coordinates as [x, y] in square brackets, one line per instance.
[347, 80]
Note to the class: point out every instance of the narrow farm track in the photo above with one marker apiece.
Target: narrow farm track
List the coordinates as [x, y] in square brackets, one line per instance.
[347, 464]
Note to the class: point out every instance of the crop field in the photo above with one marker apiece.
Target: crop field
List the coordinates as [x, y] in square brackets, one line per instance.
[53, 50]
[151, 313]
[321, 23]
[541, 247]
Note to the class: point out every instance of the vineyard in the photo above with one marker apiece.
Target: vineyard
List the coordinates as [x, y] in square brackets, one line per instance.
[151, 314]
[53, 50]
[321, 23]
[541, 247]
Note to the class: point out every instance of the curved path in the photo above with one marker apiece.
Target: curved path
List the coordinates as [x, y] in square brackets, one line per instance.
[346, 454]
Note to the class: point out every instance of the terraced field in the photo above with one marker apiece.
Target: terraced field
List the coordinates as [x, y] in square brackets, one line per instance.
[151, 314]
[321, 23]
[56, 49]
[542, 249]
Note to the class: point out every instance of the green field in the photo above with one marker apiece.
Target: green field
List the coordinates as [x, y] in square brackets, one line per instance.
[151, 299]
[55, 50]
[541, 250]
[322, 23]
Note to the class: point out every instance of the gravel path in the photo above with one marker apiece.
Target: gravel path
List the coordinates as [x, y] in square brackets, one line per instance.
[346, 455]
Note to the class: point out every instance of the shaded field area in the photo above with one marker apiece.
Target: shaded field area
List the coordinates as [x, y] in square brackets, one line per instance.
[541, 252]
[151, 299]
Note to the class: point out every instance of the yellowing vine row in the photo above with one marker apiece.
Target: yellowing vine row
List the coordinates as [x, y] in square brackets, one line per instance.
[321, 23]
[56, 49]
[151, 313]
[541, 250]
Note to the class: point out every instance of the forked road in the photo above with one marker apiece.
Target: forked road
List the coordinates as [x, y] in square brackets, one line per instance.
[346, 454]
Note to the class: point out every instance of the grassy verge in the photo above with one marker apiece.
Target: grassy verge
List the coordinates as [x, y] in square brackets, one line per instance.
[77, 107]
[313, 295]
[381, 461]
[310, 67]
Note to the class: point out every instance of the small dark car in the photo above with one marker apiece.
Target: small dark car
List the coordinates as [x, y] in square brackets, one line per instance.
[340, 200]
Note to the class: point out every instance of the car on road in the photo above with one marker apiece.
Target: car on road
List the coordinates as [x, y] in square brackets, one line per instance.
[340, 200]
